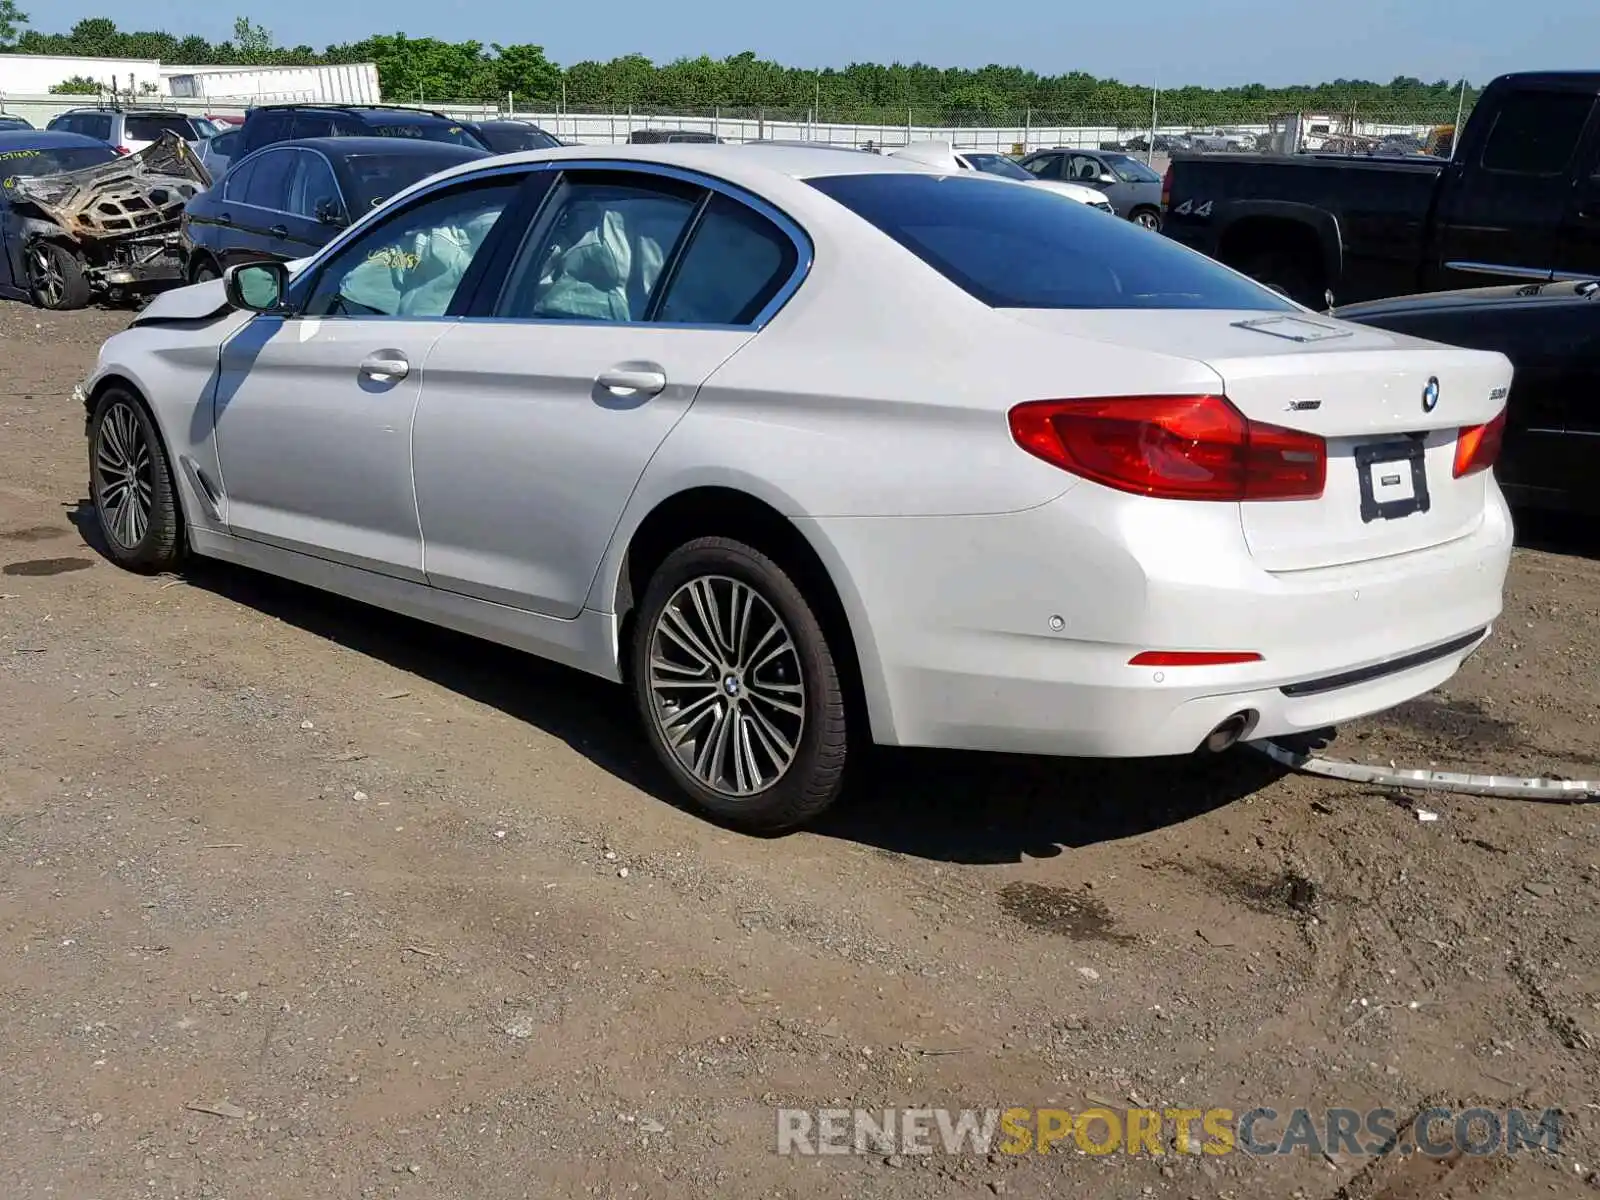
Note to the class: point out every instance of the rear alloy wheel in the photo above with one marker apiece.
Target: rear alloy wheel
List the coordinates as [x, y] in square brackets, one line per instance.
[55, 277]
[1148, 218]
[131, 485]
[738, 688]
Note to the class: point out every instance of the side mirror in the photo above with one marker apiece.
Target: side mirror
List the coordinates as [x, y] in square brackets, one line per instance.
[257, 287]
[1108, 177]
[329, 213]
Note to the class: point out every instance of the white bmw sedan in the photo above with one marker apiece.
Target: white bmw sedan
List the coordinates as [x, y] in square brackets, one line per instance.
[811, 450]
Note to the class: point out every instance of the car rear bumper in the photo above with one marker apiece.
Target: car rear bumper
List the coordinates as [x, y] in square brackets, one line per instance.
[1014, 632]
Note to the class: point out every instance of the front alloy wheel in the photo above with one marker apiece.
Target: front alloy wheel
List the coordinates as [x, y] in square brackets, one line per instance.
[131, 485]
[49, 287]
[122, 463]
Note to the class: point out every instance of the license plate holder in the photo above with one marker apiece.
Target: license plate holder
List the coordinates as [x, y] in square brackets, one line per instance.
[1393, 478]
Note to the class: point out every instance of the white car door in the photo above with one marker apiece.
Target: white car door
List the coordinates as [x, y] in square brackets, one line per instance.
[313, 410]
[539, 416]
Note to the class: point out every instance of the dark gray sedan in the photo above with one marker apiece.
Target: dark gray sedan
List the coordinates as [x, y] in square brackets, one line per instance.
[1132, 187]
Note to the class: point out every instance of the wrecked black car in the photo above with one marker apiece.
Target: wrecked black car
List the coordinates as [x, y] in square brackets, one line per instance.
[79, 220]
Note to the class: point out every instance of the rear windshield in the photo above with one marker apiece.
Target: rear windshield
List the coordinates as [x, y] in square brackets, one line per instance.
[427, 131]
[373, 178]
[150, 129]
[52, 161]
[1027, 247]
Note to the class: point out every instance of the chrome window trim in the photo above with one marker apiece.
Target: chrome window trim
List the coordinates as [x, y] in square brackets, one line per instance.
[802, 242]
[805, 252]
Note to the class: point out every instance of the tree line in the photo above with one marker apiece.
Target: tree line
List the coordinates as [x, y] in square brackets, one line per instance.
[430, 70]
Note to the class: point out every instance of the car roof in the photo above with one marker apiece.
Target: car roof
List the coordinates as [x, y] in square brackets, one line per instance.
[396, 115]
[739, 163]
[509, 123]
[47, 139]
[349, 147]
[154, 111]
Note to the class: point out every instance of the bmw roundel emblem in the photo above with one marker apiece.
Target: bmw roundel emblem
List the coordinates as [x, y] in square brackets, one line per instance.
[1430, 396]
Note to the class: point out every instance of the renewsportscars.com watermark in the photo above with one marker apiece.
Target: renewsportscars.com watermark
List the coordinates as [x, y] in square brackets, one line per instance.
[1214, 1131]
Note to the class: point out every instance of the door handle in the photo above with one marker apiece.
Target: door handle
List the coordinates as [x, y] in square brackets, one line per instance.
[386, 365]
[279, 231]
[623, 381]
[224, 219]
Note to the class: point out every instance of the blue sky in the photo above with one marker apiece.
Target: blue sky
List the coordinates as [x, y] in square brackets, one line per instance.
[1211, 42]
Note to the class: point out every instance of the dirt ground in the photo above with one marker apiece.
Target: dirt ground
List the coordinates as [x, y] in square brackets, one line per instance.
[409, 915]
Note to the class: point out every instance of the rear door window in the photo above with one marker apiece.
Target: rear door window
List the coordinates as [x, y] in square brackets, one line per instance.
[599, 254]
[269, 182]
[1015, 247]
[1536, 133]
[313, 190]
[310, 125]
[267, 127]
[237, 184]
[734, 265]
[1046, 166]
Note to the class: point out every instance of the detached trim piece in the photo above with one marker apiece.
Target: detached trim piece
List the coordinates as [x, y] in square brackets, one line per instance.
[1568, 791]
[1332, 683]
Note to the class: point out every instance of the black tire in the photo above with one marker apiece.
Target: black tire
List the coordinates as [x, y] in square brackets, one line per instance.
[814, 776]
[202, 269]
[55, 277]
[1148, 218]
[154, 543]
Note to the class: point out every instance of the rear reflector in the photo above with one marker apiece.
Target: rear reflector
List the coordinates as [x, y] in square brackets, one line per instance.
[1192, 658]
[1173, 447]
[1478, 446]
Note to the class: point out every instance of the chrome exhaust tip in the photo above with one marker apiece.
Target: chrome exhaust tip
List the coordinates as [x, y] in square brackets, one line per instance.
[1228, 733]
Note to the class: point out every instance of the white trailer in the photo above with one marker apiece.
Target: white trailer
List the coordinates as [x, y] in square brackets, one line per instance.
[345, 83]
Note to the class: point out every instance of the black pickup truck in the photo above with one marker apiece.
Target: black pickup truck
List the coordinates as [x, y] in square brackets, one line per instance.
[1519, 200]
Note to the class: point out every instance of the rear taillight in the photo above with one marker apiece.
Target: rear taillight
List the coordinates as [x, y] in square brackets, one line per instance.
[1478, 446]
[1173, 447]
[1166, 188]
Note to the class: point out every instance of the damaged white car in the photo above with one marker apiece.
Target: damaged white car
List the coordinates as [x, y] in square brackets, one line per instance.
[79, 221]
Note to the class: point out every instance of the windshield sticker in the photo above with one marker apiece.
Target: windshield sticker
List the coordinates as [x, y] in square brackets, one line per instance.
[9, 155]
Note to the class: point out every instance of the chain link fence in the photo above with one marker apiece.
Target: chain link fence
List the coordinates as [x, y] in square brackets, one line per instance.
[1385, 130]
[1152, 134]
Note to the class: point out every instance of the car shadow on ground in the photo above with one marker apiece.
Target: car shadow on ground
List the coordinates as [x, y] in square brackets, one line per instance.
[938, 805]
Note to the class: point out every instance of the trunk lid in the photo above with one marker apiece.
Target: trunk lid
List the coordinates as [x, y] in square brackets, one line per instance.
[1359, 388]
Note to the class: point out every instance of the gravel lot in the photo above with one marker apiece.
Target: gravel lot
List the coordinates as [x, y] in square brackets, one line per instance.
[410, 916]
